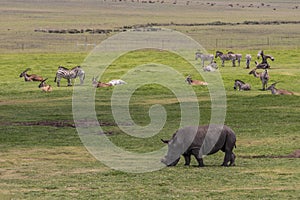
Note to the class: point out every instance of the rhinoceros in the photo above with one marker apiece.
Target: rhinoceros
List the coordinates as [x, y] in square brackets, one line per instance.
[199, 141]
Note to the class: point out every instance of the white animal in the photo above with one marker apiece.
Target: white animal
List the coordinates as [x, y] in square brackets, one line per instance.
[211, 67]
[248, 60]
[117, 82]
[204, 57]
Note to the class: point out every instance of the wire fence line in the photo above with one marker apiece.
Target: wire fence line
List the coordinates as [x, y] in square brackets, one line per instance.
[209, 42]
[238, 43]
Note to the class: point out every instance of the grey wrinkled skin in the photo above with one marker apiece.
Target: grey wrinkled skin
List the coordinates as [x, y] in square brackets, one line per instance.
[199, 141]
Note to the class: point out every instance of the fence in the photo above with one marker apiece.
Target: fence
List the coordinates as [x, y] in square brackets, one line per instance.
[262, 42]
[67, 43]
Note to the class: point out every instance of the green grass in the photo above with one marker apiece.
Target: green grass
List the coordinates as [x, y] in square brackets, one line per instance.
[51, 162]
[48, 162]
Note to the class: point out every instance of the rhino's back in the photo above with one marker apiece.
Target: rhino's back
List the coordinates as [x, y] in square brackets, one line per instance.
[212, 137]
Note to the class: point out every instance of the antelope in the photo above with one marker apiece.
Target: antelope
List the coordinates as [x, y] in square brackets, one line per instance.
[264, 77]
[32, 77]
[44, 86]
[194, 82]
[117, 82]
[97, 84]
[113, 82]
[276, 91]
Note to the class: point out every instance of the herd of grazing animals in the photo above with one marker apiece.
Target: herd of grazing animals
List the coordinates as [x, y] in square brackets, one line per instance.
[264, 76]
[239, 84]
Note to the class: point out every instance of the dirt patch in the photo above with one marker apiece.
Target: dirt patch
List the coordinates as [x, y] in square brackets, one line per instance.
[295, 154]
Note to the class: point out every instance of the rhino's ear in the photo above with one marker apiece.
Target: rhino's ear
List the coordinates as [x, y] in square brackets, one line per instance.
[165, 141]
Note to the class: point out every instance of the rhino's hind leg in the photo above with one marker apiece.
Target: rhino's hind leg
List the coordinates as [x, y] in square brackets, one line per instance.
[227, 158]
[231, 163]
[200, 162]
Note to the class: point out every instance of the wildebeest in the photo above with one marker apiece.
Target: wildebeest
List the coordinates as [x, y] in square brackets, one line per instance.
[32, 77]
[241, 85]
[199, 141]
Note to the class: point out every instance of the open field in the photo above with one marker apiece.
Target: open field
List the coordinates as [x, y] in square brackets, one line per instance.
[20, 20]
[42, 156]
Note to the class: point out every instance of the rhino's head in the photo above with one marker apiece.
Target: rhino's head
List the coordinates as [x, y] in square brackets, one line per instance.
[179, 144]
[172, 157]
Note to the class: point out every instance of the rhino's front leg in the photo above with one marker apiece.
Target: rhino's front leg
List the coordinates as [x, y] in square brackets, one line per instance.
[199, 159]
[187, 158]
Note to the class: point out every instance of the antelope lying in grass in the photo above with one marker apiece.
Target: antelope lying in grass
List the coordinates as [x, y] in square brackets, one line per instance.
[32, 77]
[276, 91]
[44, 86]
[190, 81]
[264, 77]
[98, 84]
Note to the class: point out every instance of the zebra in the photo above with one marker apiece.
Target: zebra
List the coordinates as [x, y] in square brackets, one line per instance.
[241, 85]
[69, 74]
[204, 57]
[225, 57]
[248, 60]
[237, 57]
[264, 63]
